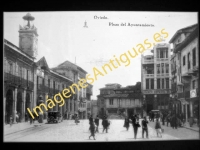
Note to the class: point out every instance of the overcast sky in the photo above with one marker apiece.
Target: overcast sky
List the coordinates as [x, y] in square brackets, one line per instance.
[62, 36]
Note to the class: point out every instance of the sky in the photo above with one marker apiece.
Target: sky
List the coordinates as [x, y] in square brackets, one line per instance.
[62, 36]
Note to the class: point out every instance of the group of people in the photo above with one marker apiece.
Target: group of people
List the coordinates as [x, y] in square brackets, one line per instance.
[135, 123]
[94, 125]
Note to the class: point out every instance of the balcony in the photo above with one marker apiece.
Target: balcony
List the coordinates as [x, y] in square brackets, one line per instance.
[180, 95]
[163, 75]
[187, 94]
[162, 59]
[148, 75]
[174, 88]
[148, 61]
[18, 81]
[41, 87]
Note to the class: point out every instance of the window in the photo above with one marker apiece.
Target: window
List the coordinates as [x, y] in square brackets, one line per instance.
[111, 101]
[163, 83]
[167, 53]
[49, 83]
[193, 84]
[20, 72]
[147, 83]
[167, 68]
[161, 54]
[158, 68]
[158, 83]
[162, 67]
[37, 82]
[194, 57]
[152, 83]
[188, 60]
[10, 68]
[183, 60]
[167, 83]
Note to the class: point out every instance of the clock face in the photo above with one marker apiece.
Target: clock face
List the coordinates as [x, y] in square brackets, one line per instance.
[26, 43]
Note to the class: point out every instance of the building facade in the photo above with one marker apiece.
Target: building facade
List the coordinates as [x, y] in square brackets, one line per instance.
[123, 101]
[156, 78]
[28, 83]
[82, 95]
[185, 63]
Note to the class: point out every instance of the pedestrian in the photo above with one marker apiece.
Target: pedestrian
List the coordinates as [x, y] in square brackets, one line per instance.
[11, 120]
[90, 120]
[152, 116]
[92, 130]
[76, 119]
[168, 119]
[105, 124]
[135, 123]
[163, 119]
[174, 121]
[97, 123]
[145, 127]
[158, 128]
[19, 117]
[126, 123]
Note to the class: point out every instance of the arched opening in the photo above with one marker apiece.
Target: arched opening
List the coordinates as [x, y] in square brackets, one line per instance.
[9, 105]
[27, 105]
[19, 106]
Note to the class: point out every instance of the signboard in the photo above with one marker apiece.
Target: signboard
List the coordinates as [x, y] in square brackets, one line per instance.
[157, 91]
[193, 93]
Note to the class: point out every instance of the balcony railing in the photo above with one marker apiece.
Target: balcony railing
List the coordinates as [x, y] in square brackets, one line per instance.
[162, 59]
[18, 81]
[148, 61]
[180, 95]
[148, 75]
[187, 94]
[163, 75]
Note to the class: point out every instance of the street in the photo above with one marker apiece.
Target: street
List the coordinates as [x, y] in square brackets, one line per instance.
[68, 131]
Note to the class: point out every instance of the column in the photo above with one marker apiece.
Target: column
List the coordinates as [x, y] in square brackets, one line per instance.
[155, 105]
[45, 111]
[191, 109]
[186, 113]
[72, 106]
[14, 105]
[69, 109]
[4, 107]
[23, 106]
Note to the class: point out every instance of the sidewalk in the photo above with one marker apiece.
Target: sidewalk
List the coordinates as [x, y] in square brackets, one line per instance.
[194, 126]
[21, 126]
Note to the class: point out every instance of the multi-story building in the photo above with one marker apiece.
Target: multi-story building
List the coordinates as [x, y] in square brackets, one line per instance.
[28, 83]
[119, 100]
[94, 108]
[89, 92]
[156, 78]
[101, 103]
[185, 63]
[82, 95]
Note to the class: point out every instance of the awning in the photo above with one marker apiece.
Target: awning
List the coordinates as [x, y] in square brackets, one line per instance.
[183, 101]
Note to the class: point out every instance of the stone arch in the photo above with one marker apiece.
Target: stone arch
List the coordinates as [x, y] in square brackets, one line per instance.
[19, 105]
[9, 105]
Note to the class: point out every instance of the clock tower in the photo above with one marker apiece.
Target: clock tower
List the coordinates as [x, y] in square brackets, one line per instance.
[28, 37]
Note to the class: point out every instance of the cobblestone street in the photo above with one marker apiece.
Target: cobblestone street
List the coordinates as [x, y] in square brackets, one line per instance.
[68, 131]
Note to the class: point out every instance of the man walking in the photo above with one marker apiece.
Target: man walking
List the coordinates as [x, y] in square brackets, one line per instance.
[105, 124]
[144, 127]
[135, 123]
[97, 123]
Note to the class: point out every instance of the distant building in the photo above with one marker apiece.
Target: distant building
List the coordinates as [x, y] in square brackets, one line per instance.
[156, 78]
[185, 72]
[119, 100]
[94, 108]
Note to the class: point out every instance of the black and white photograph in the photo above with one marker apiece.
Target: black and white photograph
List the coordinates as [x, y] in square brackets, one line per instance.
[100, 76]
